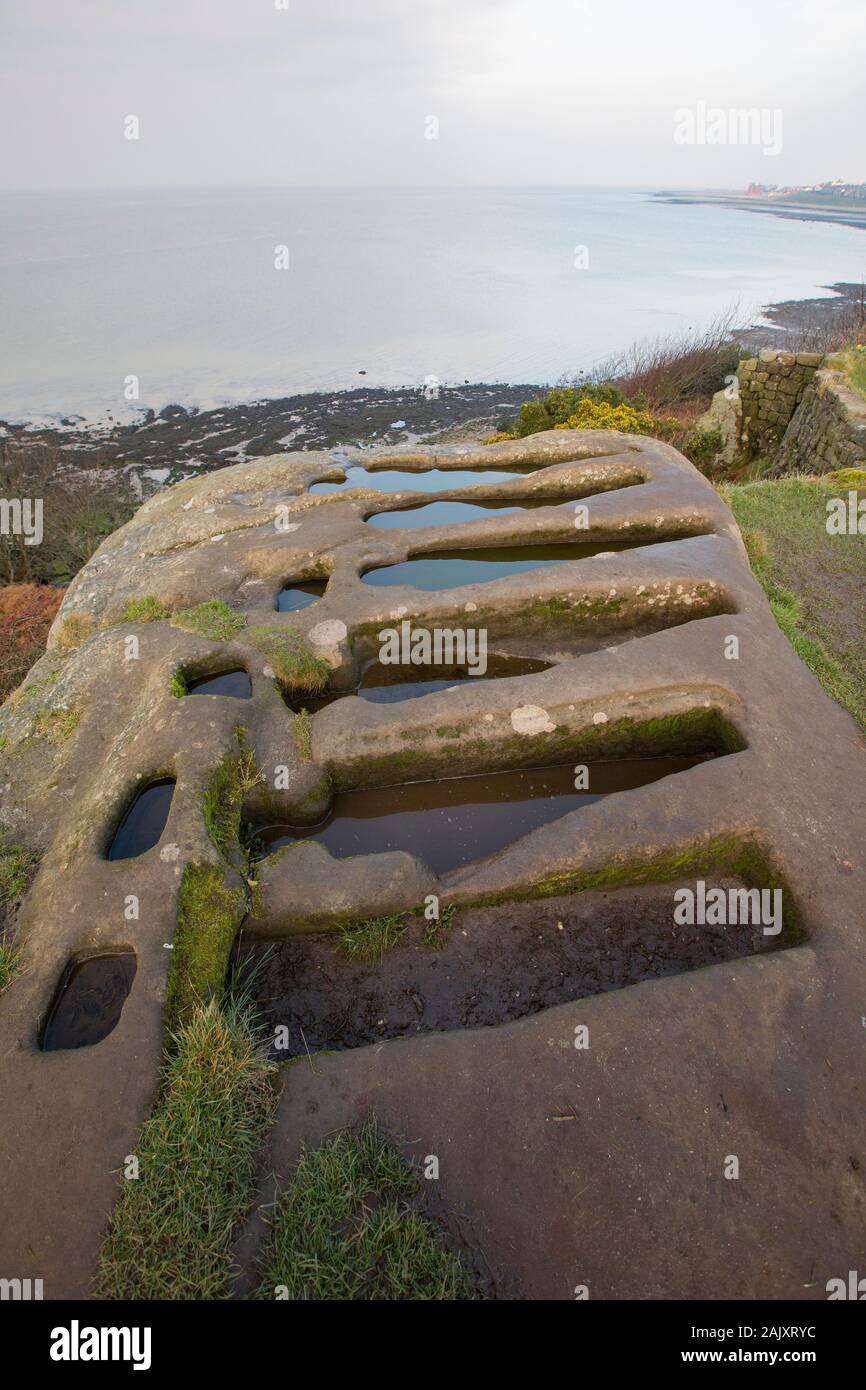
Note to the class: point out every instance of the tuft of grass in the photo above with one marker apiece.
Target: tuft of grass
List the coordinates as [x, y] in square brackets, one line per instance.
[854, 366]
[212, 619]
[292, 659]
[55, 725]
[10, 963]
[171, 1231]
[17, 867]
[143, 610]
[369, 940]
[75, 630]
[813, 581]
[209, 914]
[177, 685]
[302, 733]
[344, 1229]
[436, 931]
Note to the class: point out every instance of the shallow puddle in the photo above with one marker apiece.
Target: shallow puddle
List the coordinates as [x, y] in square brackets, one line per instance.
[89, 1000]
[296, 596]
[431, 480]
[452, 821]
[387, 685]
[484, 967]
[237, 684]
[144, 822]
[446, 513]
[449, 569]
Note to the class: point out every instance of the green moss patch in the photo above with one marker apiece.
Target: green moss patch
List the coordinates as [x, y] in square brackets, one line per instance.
[171, 1231]
[345, 1229]
[209, 914]
[847, 478]
[722, 855]
[689, 732]
[302, 733]
[212, 619]
[229, 783]
[291, 658]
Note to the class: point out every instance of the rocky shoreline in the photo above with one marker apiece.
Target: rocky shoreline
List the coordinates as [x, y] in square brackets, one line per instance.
[179, 442]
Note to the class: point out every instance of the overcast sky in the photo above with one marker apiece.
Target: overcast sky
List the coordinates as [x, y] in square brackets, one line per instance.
[338, 91]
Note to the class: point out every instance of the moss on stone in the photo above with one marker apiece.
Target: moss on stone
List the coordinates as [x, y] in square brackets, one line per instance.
[847, 477]
[212, 619]
[55, 725]
[177, 685]
[736, 856]
[689, 732]
[302, 733]
[229, 783]
[209, 914]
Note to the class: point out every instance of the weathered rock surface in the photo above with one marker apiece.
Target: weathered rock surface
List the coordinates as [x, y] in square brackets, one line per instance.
[763, 1059]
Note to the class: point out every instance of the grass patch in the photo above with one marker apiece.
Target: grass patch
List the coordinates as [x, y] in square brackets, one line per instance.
[177, 686]
[345, 1229]
[212, 619]
[814, 581]
[17, 866]
[209, 914]
[436, 930]
[143, 610]
[291, 658]
[10, 963]
[302, 733]
[854, 365]
[55, 725]
[16, 870]
[369, 940]
[75, 630]
[170, 1234]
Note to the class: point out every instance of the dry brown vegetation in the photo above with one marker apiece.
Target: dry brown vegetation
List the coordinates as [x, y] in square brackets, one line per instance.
[79, 510]
[26, 613]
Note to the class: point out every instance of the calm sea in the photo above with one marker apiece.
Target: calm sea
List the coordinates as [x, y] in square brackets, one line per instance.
[180, 289]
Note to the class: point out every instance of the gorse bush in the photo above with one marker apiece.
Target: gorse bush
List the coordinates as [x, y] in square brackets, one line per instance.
[559, 405]
[601, 415]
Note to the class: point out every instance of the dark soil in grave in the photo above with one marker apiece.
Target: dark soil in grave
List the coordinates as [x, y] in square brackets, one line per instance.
[490, 965]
